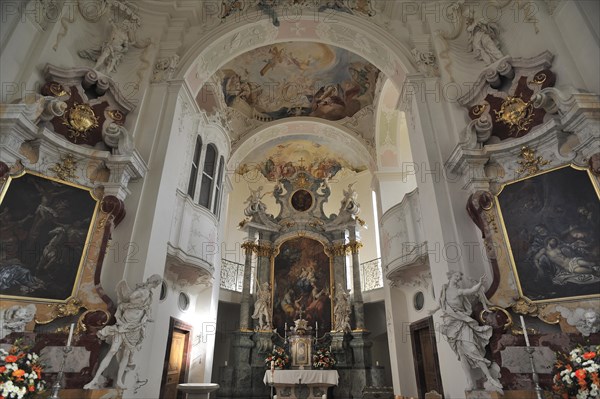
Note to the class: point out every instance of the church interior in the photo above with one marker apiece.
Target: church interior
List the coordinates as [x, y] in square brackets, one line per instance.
[299, 199]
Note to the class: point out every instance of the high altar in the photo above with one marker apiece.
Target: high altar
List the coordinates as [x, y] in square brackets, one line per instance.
[300, 281]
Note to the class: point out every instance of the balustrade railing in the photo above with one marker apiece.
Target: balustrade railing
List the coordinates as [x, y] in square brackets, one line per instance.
[232, 275]
[371, 275]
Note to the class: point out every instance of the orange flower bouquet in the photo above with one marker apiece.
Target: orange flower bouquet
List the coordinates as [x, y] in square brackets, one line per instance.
[278, 358]
[20, 373]
[576, 374]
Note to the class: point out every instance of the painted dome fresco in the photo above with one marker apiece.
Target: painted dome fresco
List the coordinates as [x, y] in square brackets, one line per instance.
[298, 79]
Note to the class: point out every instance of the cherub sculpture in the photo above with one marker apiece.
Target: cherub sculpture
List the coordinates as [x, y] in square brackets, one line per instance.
[584, 320]
[15, 318]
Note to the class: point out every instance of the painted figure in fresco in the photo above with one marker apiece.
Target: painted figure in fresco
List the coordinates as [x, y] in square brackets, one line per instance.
[127, 334]
[262, 306]
[466, 337]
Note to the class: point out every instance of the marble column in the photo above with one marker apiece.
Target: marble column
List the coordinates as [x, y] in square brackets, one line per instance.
[359, 311]
[249, 247]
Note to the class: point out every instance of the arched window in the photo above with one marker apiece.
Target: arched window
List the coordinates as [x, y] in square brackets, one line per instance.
[218, 184]
[208, 176]
[194, 172]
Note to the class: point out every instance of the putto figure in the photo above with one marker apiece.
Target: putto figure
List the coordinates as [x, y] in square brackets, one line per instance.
[127, 334]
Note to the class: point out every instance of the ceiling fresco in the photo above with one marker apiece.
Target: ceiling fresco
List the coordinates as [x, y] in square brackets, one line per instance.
[298, 79]
[283, 160]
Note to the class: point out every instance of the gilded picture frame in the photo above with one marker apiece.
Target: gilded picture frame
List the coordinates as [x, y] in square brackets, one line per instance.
[551, 226]
[46, 226]
[292, 256]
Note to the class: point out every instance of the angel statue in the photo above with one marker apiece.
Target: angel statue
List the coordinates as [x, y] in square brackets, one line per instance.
[483, 40]
[109, 55]
[254, 201]
[584, 320]
[128, 333]
[464, 334]
[350, 200]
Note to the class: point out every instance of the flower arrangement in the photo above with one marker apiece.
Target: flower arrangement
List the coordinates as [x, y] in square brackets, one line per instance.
[323, 359]
[279, 357]
[20, 373]
[576, 374]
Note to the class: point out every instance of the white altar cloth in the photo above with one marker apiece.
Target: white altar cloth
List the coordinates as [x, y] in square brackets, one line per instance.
[305, 377]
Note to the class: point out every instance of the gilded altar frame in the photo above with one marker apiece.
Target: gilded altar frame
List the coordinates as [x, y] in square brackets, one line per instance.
[535, 259]
[278, 288]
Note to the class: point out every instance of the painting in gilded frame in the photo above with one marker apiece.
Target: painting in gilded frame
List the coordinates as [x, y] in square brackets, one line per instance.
[551, 222]
[45, 226]
[302, 275]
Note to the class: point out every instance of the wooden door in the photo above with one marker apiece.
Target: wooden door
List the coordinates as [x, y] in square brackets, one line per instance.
[177, 359]
[427, 366]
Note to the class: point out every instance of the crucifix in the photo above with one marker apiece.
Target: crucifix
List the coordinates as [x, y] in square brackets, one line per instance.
[300, 312]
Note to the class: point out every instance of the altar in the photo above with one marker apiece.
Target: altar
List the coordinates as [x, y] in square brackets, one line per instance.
[289, 382]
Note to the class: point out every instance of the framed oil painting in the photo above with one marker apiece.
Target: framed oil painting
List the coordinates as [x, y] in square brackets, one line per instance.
[302, 276]
[45, 227]
[551, 223]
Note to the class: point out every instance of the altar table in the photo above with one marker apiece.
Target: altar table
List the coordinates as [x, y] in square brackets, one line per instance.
[288, 382]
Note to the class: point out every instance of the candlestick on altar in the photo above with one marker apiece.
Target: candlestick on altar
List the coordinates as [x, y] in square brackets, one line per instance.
[524, 331]
[70, 335]
[316, 329]
[285, 332]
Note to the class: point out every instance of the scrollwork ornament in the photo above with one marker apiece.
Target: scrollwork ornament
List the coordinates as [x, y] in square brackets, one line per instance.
[65, 169]
[69, 308]
[529, 163]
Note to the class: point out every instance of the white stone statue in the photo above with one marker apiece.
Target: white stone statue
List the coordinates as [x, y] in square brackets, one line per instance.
[483, 40]
[350, 200]
[109, 55]
[586, 321]
[262, 307]
[15, 318]
[254, 201]
[127, 334]
[465, 336]
[341, 310]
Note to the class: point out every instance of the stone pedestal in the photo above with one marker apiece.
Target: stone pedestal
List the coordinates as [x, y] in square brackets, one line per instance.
[109, 393]
[197, 390]
[480, 394]
[361, 348]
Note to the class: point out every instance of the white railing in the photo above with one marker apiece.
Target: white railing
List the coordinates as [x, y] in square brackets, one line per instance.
[232, 275]
[371, 275]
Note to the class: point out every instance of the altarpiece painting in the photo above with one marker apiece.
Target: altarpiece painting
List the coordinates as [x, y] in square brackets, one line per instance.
[552, 225]
[302, 275]
[45, 227]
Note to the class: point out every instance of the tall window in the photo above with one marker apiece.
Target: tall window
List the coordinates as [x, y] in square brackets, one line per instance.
[218, 184]
[194, 172]
[208, 176]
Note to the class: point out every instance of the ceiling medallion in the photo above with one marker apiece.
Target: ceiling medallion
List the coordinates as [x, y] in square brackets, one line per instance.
[529, 162]
[80, 119]
[515, 113]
